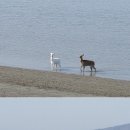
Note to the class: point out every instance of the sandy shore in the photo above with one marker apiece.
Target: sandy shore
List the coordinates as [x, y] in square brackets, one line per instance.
[18, 82]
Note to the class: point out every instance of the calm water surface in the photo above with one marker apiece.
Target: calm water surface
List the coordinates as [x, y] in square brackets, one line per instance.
[30, 30]
[63, 113]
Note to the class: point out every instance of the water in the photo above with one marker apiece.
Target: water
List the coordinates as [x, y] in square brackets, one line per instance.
[30, 30]
[63, 113]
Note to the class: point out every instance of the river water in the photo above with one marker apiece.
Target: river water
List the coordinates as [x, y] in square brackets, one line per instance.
[31, 29]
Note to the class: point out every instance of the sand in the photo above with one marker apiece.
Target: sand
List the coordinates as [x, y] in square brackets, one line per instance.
[18, 82]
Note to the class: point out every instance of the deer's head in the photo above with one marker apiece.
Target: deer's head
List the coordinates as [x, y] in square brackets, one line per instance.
[81, 57]
[51, 54]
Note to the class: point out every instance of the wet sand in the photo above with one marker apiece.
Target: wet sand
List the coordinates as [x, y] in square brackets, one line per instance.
[18, 82]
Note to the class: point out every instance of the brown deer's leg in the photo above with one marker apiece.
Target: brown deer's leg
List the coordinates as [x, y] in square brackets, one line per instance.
[94, 68]
[91, 68]
[83, 68]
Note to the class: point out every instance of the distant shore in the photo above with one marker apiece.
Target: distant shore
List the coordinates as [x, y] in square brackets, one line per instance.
[19, 82]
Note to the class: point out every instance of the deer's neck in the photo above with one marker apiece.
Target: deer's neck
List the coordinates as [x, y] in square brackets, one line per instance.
[81, 59]
[51, 58]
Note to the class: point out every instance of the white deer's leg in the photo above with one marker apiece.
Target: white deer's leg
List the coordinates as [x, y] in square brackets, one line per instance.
[56, 66]
[51, 66]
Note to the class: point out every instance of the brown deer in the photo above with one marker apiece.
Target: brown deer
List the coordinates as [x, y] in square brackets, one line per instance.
[87, 63]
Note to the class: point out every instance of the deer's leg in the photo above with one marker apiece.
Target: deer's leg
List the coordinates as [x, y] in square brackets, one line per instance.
[56, 66]
[94, 68]
[91, 68]
[52, 66]
[81, 68]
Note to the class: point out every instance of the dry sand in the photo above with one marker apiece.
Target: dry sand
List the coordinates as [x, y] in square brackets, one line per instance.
[18, 82]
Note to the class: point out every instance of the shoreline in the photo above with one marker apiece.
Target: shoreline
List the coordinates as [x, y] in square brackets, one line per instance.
[20, 82]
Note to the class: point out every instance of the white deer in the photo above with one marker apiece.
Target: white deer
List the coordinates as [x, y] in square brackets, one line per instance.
[55, 62]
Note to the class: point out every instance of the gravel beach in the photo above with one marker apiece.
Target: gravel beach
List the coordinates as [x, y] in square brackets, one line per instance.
[19, 82]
